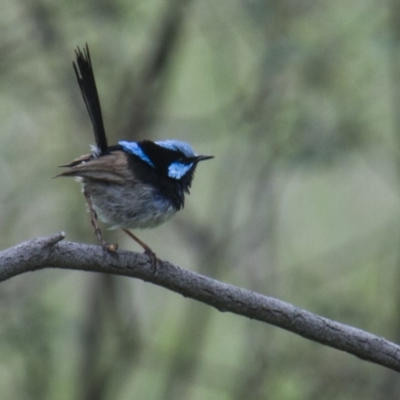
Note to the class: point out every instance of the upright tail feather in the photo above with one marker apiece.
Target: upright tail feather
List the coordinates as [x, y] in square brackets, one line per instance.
[85, 76]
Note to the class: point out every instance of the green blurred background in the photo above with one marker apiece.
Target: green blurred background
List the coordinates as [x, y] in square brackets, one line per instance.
[299, 101]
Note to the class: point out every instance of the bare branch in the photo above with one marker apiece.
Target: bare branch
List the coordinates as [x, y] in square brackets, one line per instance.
[52, 252]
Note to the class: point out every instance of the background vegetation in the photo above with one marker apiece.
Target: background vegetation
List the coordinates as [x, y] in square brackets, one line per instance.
[298, 101]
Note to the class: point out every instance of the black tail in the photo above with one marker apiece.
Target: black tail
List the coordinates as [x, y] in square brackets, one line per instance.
[84, 74]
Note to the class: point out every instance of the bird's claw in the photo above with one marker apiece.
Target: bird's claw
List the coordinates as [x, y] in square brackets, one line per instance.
[111, 248]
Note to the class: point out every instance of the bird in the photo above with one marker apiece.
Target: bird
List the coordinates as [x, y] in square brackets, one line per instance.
[133, 184]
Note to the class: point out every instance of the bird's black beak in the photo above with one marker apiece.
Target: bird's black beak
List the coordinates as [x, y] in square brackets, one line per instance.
[202, 158]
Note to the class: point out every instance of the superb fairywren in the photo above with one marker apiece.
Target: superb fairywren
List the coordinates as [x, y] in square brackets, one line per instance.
[130, 185]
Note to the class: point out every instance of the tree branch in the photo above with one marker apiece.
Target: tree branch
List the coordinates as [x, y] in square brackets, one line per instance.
[52, 252]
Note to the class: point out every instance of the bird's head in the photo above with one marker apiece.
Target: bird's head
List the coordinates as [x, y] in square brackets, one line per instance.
[173, 159]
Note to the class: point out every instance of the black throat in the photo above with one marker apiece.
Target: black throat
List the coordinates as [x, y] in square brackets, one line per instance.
[172, 189]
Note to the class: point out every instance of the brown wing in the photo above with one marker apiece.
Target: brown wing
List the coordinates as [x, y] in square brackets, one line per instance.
[111, 168]
[77, 161]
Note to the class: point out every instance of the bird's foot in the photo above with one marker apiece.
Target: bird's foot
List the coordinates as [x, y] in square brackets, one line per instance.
[154, 260]
[147, 250]
[111, 248]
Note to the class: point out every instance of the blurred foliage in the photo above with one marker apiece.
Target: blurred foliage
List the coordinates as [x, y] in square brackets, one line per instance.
[299, 102]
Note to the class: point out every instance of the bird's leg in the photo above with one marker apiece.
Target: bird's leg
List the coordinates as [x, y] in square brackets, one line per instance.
[147, 250]
[112, 248]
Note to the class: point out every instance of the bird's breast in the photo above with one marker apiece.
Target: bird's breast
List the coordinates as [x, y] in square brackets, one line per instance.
[135, 206]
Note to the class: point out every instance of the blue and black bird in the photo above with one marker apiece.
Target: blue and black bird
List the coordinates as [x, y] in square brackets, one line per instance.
[131, 185]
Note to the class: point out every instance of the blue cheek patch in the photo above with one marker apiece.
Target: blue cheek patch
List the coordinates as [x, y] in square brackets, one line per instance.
[177, 170]
[134, 148]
